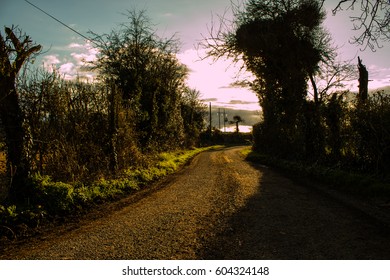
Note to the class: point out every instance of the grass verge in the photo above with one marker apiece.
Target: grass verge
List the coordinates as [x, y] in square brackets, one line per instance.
[361, 185]
[60, 199]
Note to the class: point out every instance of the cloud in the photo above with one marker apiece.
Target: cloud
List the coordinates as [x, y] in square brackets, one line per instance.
[210, 100]
[378, 71]
[74, 65]
[50, 61]
[240, 102]
[205, 72]
[87, 53]
[82, 58]
[75, 46]
[67, 70]
[218, 82]
[245, 83]
[204, 75]
[379, 76]
[167, 15]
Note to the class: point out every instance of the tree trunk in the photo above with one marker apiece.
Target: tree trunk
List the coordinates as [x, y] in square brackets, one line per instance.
[12, 121]
[13, 53]
[113, 128]
[363, 82]
[315, 89]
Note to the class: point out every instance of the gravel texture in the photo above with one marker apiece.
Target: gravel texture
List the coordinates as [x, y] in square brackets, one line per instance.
[217, 207]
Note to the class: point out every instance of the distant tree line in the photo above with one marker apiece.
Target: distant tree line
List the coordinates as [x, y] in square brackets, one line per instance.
[139, 105]
[284, 44]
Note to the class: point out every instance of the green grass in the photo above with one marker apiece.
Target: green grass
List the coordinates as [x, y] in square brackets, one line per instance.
[59, 198]
[362, 185]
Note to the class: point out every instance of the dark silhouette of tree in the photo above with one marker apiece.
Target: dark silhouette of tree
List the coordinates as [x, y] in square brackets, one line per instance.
[15, 50]
[237, 120]
[373, 22]
[363, 82]
[193, 112]
[331, 76]
[149, 76]
[282, 44]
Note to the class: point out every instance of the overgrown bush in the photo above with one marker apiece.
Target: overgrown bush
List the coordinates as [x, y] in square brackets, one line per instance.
[355, 183]
[11, 216]
[57, 197]
[346, 134]
[137, 106]
[370, 123]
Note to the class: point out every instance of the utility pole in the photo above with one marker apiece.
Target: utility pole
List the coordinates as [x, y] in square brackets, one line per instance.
[210, 119]
[224, 120]
[219, 118]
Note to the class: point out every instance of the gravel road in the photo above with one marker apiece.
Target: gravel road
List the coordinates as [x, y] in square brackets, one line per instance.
[217, 207]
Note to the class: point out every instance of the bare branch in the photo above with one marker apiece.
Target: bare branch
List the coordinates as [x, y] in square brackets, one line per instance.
[373, 21]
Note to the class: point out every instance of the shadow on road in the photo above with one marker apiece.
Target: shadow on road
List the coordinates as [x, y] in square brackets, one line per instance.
[283, 220]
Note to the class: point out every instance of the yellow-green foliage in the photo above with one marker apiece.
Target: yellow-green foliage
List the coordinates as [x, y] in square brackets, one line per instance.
[55, 196]
[164, 164]
[59, 197]
[357, 184]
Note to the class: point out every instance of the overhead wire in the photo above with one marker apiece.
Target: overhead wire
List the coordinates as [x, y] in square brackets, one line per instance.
[59, 21]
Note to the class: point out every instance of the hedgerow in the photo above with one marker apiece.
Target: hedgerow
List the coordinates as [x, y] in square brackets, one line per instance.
[55, 198]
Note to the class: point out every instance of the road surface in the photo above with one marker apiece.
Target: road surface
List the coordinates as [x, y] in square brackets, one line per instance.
[217, 207]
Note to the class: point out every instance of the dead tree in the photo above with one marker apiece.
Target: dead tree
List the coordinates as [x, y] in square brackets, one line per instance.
[14, 51]
[363, 82]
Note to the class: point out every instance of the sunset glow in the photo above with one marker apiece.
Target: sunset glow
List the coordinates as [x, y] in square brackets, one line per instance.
[68, 52]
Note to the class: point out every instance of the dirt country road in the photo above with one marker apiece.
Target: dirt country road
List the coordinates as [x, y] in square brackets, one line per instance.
[219, 207]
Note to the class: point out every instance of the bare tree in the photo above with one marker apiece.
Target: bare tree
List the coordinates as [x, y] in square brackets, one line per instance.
[15, 49]
[331, 76]
[373, 21]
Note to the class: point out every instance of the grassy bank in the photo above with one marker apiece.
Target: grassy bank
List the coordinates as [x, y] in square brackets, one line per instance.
[363, 185]
[60, 199]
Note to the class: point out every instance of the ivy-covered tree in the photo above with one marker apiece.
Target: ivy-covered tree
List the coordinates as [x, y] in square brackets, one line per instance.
[282, 43]
[151, 79]
[15, 50]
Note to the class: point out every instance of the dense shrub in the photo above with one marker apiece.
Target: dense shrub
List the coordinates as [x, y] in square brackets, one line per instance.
[344, 134]
[371, 126]
[57, 197]
[137, 106]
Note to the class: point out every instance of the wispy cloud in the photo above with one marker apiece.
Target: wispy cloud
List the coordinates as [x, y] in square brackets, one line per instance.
[75, 46]
[210, 100]
[379, 76]
[50, 60]
[86, 53]
[167, 15]
[240, 102]
[217, 81]
[74, 65]
[68, 70]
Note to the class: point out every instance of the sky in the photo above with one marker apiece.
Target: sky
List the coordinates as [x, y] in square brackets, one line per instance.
[189, 20]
